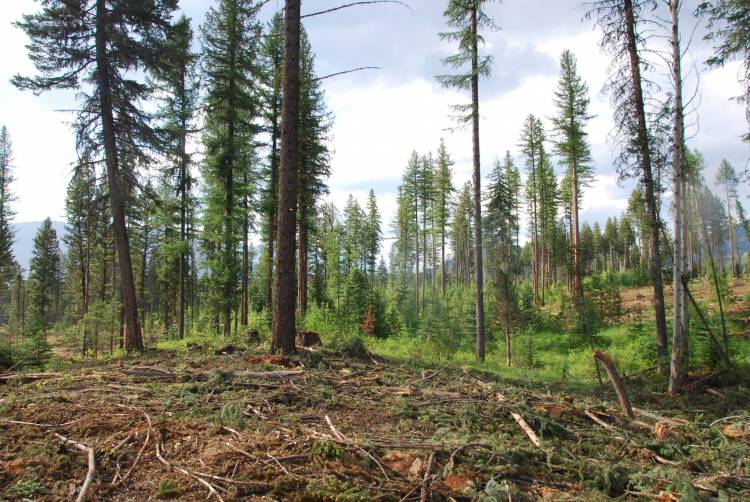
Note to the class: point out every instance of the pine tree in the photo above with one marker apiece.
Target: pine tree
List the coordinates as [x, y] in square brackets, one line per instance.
[468, 17]
[745, 224]
[230, 63]
[284, 320]
[104, 43]
[572, 146]
[461, 236]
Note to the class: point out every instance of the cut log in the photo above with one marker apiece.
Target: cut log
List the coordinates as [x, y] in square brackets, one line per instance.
[527, 429]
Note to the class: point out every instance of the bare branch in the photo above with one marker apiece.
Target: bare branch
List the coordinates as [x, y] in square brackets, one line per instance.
[353, 4]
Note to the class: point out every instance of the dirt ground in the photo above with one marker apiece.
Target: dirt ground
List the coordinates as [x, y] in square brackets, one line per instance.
[323, 426]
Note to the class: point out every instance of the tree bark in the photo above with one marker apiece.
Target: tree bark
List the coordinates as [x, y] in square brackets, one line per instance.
[283, 323]
[477, 180]
[302, 257]
[133, 338]
[649, 189]
[678, 366]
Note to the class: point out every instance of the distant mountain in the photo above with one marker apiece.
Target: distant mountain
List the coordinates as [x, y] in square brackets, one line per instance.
[24, 243]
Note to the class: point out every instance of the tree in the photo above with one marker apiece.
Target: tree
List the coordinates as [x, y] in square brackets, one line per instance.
[373, 236]
[500, 224]
[727, 177]
[272, 51]
[105, 45]
[314, 159]
[572, 146]
[7, 261]
[620, 21]
[230, 62]
[532, 146]
[745, 223]
[45, 274]
[468, 18]
[729, 25]
[283, 322]
[177, 79]
[443, 193]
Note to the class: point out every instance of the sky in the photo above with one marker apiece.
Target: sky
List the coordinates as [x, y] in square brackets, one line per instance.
[381, 116]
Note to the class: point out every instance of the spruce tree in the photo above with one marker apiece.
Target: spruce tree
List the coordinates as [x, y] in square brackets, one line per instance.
[104, 43]
[45, 275]
[531, 144]
[468, 17]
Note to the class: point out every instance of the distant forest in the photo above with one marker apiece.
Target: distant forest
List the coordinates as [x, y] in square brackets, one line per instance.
[165, 244]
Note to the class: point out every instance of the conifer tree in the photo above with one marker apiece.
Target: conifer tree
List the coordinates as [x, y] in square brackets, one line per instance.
[104, 43]
[177, 80]
[572, 146]
[7, 261]
[729, 28]
[620, 21]
[284, 315]
[468, 17]
[272, 52]
[45, 274]
[727, 178]
[230, 37]
[443, 195]
[373, 236]
[532, 147]
[314, 159]
[461, 236]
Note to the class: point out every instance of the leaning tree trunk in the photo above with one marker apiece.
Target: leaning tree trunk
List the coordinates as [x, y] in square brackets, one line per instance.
[649, 188]
[133, 339]
[477, 180]
[283, 323]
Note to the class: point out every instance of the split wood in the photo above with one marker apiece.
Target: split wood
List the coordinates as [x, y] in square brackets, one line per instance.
[92, 464]
[527, 429]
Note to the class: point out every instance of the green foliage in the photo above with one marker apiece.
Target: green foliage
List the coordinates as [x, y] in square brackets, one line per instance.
[26, 488]
[232, 414]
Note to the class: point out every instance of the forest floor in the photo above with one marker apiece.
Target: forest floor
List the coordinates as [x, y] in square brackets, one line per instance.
[343, 425]
[346, 426]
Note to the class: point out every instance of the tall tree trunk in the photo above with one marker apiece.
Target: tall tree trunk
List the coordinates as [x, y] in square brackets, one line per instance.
[302, 257]
[649, 188]
[442, 259]
[283, 324]
[477, 181]
[731, 235]
[133, 338]
[678, 365]
[416, 236]
[183, 236]
[245, 258]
